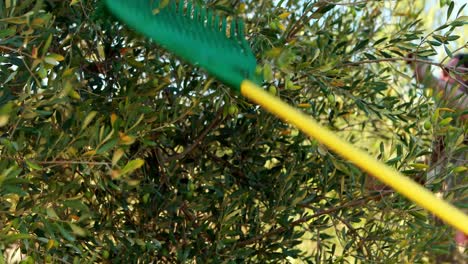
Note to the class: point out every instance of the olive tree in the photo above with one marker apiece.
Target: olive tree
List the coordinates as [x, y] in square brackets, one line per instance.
[114, 150]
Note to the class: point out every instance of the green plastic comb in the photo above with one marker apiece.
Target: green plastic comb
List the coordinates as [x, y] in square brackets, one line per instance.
[186, 30]
[199, 37]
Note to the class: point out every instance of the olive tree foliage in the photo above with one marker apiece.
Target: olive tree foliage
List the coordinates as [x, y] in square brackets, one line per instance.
[112, 149]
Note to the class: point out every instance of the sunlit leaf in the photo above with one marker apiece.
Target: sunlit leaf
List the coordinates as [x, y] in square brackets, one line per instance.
[132, 166]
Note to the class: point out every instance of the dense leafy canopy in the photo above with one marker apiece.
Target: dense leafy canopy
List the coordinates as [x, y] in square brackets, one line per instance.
[112, 149]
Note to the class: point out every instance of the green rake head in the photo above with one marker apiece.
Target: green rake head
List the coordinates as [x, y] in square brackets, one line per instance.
[193, 34]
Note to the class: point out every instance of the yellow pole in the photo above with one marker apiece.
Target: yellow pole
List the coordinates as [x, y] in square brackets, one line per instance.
[387, 175]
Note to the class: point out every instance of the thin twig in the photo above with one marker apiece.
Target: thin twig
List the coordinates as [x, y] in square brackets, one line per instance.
[16, 51]
[30, 72]
[308, 218]
[393, 59]
[438, 64]
[199, 139]
[361, 244]
[71, 162]
[346, 4]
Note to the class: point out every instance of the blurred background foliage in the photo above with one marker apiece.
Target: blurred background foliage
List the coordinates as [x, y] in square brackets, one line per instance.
[112, 150]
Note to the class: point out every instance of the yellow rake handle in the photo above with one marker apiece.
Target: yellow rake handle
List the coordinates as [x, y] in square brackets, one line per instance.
[387, 175]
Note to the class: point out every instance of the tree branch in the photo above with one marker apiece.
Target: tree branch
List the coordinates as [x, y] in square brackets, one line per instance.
[199, 139]
[308, 218]
[16, 51]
